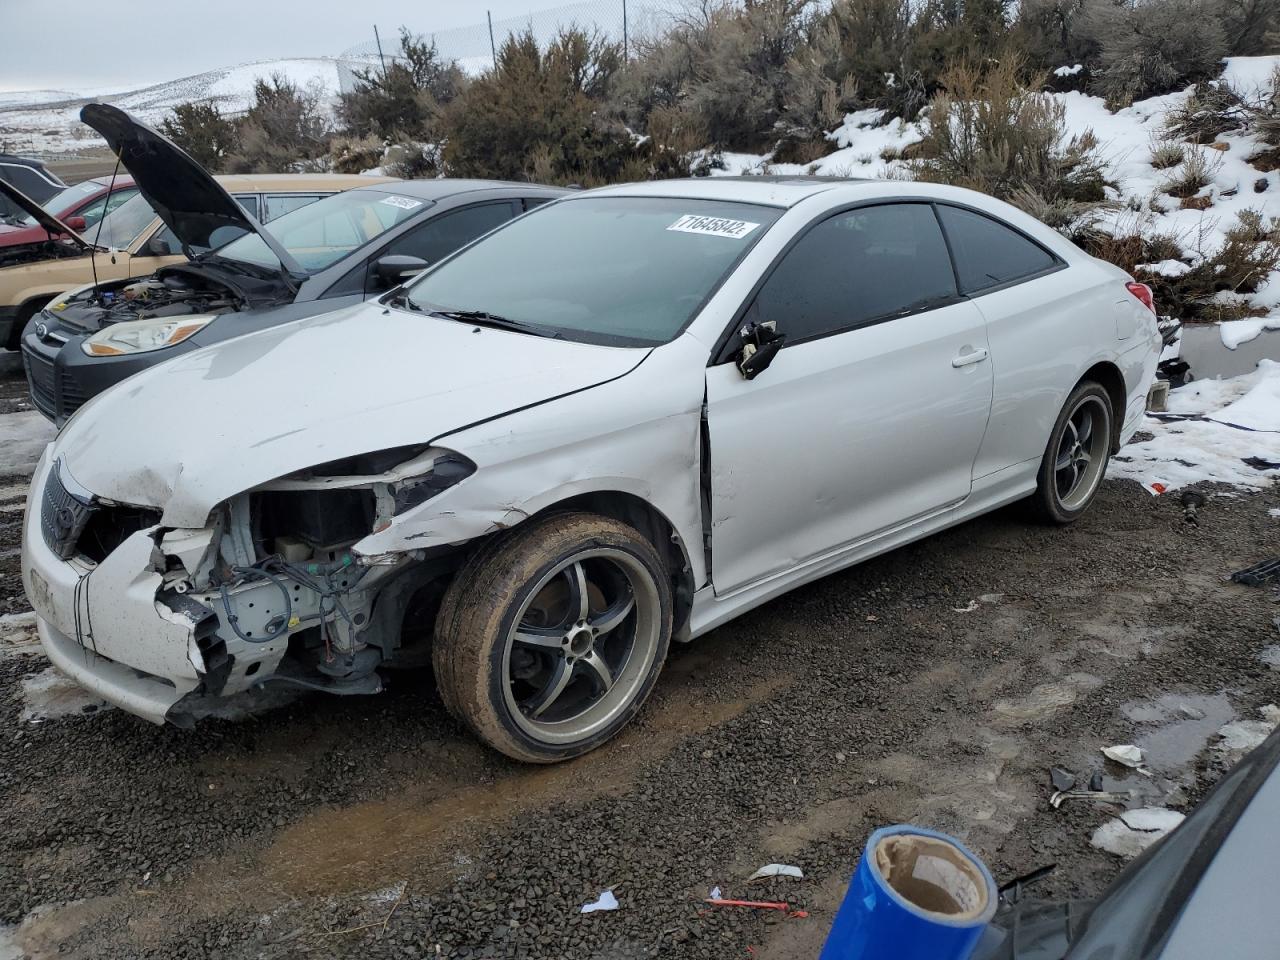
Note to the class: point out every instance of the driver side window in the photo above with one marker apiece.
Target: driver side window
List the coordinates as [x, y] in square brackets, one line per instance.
[857, 268]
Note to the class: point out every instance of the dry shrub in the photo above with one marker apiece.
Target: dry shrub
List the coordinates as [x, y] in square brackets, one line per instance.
[1155, 47]
[355, 154]
[990, 132]
[1193, 175]
[1211, 110]
[1166, 153]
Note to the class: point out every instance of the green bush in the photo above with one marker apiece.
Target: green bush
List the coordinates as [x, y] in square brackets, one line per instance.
[284, 130]
[202, 131]
[402, 102]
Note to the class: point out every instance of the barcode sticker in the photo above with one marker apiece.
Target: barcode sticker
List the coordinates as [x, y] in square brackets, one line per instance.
[404, 203]
[713, 226]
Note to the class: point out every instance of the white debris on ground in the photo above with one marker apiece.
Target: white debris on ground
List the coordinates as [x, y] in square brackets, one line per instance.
[50, 694]
[18, 635]
[23, 437]
[1241, 420]
[1241, 736]
[1134, 830]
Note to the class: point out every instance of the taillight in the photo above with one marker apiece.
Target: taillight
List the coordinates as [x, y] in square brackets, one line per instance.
[1143, 293]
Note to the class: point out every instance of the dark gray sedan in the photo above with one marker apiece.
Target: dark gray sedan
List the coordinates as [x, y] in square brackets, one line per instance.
[239, 276]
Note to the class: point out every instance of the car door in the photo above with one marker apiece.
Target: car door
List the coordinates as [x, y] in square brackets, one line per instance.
[871, 414]
[1041, 328]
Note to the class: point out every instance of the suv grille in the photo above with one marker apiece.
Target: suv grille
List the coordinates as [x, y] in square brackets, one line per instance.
[63, 515]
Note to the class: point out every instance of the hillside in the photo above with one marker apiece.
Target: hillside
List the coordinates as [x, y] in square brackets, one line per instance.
[48, 121]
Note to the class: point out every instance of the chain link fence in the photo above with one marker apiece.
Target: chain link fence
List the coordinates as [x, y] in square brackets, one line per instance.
[475, 46]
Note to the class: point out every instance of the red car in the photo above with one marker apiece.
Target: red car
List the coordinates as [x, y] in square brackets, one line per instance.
[79, 207]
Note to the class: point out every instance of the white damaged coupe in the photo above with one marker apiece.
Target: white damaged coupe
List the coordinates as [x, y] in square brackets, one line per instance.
[621, 419]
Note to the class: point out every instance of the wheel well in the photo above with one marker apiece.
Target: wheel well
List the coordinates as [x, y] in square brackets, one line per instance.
[656, 528]
[1110, 378]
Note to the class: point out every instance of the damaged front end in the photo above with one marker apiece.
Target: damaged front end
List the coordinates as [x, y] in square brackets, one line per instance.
[274, 589]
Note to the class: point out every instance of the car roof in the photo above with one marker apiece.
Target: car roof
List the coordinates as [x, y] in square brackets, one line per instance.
[297, 182]
[775, 191]
[443, 187]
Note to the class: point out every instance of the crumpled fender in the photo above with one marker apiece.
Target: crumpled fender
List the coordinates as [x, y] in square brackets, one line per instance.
[637, 435]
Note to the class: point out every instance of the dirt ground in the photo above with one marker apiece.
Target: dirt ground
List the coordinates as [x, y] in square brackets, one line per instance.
[936, 685]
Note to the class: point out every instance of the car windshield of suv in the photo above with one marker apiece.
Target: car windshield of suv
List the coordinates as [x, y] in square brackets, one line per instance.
[322, 233]
[621, 270]
[123, 225]
[65, 200]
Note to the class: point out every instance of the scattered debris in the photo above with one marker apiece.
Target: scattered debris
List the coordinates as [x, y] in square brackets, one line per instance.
[969, 608]
[714, 894]
[606, 901]
[1095, 782]
[780, 905]
[1192, 500]
[1062, 779]
[1134, 830]
[1011, 892]
[777, 870]
[991, 598]
[1258, 574]
[404, 888]
[1093, 796]
[1127, 755]
[1241, 736]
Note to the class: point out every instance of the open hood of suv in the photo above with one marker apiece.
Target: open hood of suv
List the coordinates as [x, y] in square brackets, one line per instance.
[183, 194]
[42, 216]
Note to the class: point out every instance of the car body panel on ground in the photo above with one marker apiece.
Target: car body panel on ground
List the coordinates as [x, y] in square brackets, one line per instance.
[599, 357]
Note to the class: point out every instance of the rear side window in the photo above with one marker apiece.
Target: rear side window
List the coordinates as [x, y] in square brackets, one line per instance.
[249, 201]
[988, 253]
[856, 268]
[440, 236]
[278, 204]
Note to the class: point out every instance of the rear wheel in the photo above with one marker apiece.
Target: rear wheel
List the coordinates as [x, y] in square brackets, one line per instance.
[1075, 460]
[549, 640]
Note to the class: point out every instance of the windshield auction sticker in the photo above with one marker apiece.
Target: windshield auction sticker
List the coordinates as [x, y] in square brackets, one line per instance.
[713, 226]
[404, 203]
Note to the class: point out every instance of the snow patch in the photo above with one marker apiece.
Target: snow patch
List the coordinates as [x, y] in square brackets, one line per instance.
[1070, 71]
[51, 694]
[1183, 452]
[1134, 830]
[1236, 332]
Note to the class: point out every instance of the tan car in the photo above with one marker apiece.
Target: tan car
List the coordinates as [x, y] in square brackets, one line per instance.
[133, 241]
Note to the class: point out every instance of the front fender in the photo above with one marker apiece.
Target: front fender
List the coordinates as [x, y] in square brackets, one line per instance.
[637, 435]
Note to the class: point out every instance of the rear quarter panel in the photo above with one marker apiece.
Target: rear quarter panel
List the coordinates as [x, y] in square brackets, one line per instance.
[1044, 334]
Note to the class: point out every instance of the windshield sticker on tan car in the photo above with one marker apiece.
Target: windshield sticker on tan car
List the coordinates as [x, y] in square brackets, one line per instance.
[404, 203]
[713, 226]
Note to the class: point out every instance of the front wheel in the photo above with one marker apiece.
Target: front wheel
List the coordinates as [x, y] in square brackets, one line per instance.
[1075, 460]
[550, 639]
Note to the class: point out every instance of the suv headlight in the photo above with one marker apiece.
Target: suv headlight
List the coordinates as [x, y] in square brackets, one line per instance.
[141, 336]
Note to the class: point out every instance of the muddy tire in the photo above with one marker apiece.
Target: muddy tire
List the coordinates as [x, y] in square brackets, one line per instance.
[551, 637]
[1075, 460]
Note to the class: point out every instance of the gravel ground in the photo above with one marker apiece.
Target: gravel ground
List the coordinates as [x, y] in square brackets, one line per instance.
[374, 827]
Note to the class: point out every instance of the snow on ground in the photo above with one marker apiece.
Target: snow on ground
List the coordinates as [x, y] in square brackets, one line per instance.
[1240, 420]
[1236, 332]
[44, 121]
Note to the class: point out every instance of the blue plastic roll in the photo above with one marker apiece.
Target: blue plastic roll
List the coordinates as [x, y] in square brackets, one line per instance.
[923, 897]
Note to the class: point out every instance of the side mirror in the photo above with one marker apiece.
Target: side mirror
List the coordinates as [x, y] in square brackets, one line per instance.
[157, 246]
[760, 344]
[396, 268]
[76, 223]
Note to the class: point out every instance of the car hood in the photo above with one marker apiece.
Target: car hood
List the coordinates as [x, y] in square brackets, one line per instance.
[184, 195]
[42, 216]
[186, 435]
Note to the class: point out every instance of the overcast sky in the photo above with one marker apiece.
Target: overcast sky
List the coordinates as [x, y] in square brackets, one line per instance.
[81, 44]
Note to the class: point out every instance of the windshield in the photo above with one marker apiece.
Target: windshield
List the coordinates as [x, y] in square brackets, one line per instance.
[322, 233]
[123, 225]
[626, 270]
[65, 200]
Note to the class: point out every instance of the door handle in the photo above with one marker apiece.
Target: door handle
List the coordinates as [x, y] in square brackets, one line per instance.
[973, 356]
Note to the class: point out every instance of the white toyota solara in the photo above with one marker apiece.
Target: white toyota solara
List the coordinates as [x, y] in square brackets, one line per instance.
[626, 417]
